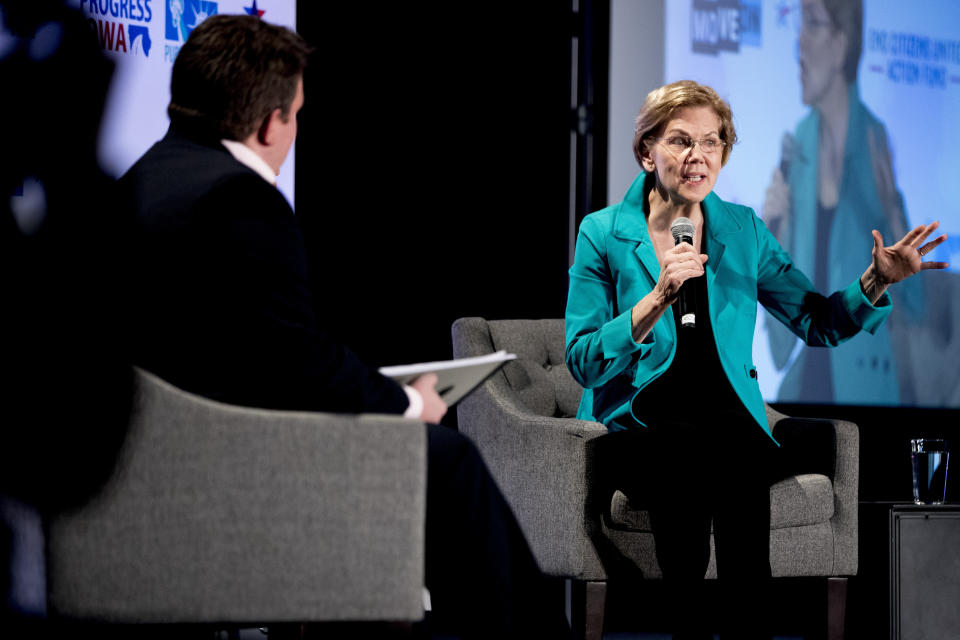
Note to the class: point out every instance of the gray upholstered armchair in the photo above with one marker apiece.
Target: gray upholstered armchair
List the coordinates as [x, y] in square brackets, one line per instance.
[218, 514]
[522, 421]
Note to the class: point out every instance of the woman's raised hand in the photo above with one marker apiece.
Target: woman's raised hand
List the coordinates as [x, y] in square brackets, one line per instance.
[901, 260]
[905, 258]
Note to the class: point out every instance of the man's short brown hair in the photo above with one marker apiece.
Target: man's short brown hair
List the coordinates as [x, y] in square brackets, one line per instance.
[232, 72]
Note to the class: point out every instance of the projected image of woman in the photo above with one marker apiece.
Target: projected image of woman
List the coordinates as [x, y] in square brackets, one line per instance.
[689, 438]
[834, 185]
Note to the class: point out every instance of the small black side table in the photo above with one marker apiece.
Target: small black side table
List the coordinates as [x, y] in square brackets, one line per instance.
[924, 571]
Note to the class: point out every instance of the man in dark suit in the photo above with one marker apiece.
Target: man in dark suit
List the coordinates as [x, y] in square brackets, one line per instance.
[227, 311]
[223, 309]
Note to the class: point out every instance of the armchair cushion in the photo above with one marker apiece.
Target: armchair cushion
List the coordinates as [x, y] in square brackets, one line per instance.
[794, 502]
[801, 500]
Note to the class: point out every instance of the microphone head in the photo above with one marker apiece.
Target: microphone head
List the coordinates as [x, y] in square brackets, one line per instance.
[682, 227]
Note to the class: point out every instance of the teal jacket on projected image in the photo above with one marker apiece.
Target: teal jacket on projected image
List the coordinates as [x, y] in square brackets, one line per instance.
[864, 370]
[615, 266]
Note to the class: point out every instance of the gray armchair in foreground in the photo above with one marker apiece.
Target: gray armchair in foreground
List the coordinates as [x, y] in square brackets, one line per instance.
[522, 420]
[225, 514]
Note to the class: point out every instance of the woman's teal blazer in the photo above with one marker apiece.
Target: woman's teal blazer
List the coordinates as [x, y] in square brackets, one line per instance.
[615, 265]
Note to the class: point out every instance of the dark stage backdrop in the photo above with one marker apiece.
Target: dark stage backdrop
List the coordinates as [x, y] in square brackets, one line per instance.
[433, 165]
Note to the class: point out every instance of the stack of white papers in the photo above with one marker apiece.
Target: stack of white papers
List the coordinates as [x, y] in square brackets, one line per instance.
[455, 378]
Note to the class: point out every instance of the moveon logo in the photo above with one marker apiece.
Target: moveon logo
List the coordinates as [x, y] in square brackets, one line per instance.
[723, 25]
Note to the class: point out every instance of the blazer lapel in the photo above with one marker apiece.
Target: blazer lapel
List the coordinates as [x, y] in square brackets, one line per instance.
[631, 225]
[719, 224]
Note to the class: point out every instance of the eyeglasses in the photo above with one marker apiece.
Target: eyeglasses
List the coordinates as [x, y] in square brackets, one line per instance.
[679, 144]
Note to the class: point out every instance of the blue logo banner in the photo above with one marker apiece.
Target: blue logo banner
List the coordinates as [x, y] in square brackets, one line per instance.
[183, 16]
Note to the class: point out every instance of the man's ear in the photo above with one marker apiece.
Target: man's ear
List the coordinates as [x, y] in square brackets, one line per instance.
[266, 130]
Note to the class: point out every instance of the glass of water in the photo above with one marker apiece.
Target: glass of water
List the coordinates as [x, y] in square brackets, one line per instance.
[931, 460]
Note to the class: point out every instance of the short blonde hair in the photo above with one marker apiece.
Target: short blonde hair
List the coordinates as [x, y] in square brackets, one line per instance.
[661, 105]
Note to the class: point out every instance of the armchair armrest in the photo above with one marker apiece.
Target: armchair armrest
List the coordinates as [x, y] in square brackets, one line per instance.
[542, 465]
[218, 513]
[830, 447]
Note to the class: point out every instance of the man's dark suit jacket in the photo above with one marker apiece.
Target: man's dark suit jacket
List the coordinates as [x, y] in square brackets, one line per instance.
[222, 300]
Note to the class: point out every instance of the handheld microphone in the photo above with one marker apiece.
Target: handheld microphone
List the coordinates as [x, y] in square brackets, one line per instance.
[682, 230]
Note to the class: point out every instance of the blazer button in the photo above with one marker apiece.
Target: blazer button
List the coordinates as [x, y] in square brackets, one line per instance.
[753, 373]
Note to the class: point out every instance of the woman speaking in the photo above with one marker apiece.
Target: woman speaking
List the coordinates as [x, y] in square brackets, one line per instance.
[659, 329]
